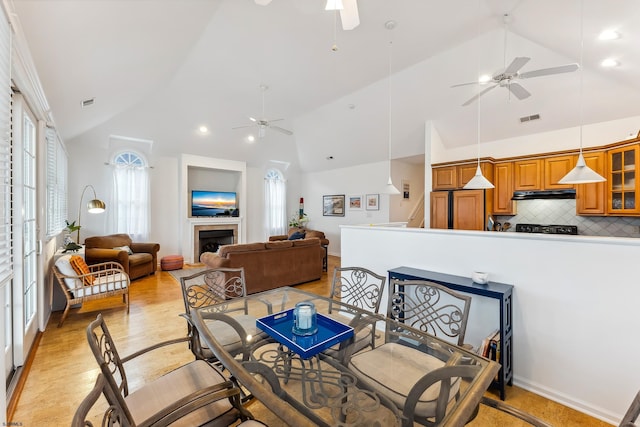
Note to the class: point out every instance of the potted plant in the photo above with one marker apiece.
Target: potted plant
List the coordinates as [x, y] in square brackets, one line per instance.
[69, 244]
[298, 220]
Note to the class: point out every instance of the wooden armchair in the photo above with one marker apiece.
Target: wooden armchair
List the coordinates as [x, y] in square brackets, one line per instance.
[101, 281]
[138, 259]
[193, 394]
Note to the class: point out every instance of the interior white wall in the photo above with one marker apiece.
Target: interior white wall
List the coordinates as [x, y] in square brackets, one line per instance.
[597, 134]
[574, 309]
[412, 173]
[357, 180]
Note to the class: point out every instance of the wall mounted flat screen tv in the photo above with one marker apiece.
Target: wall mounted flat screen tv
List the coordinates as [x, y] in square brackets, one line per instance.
[214, 203]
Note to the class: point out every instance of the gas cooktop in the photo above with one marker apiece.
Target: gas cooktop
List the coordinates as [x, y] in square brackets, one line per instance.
[546, 229]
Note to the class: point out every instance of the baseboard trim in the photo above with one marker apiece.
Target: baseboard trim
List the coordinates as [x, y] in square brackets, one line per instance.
[14, 389]
[566, 400]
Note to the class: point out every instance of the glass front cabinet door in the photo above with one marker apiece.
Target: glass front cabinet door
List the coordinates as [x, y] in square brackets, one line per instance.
[622, 181]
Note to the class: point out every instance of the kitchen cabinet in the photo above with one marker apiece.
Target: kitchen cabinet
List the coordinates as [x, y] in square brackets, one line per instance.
[503, 181]
[440, 209]
[459, 209]
[623, 186]
[468, 171]
[555, 168]
[527, 175]
[445, 178]
[468, 210]
[590, 198]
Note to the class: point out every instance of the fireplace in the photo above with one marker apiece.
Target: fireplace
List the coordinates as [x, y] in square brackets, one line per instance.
[209, 237]
[211, 240]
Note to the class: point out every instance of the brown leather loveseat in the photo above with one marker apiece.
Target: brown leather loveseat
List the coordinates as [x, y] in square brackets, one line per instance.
[142, 260]
[271, 265]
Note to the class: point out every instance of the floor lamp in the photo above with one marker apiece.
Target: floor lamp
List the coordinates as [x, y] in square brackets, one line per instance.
[94, 206]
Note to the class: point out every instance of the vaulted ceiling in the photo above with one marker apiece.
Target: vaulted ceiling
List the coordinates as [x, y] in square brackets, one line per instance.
[159, 69]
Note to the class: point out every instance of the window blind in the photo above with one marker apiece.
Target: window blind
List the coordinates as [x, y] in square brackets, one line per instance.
[6, 240]
[56, 184]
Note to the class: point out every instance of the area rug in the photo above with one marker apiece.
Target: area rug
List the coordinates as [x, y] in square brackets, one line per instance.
[177, 274]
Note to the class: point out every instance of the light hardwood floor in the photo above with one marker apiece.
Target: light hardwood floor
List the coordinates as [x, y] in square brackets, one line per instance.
[64, 370]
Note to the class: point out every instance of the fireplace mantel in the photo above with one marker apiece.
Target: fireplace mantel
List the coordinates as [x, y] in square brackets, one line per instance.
[201, 224]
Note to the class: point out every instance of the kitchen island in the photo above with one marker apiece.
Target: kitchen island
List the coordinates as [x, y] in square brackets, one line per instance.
[575, 303]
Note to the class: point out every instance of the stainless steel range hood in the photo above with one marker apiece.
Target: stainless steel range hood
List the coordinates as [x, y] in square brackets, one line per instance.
[544, 194]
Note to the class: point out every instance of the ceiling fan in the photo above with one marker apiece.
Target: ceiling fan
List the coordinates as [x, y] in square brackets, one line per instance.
[348, 11]
[263, 123]
[510, 76]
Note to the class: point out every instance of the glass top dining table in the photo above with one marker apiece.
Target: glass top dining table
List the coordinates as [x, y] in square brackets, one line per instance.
[323, 389]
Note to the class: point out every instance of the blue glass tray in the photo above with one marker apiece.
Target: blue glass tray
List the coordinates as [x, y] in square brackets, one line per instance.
[279, 327]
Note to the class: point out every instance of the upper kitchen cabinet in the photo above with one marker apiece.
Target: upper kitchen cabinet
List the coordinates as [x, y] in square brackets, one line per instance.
[623, 185]
[555, 168]
[455, 177]
[528, 175]
[503, 181]
[468, 171]
[590, 198]
[444, 178]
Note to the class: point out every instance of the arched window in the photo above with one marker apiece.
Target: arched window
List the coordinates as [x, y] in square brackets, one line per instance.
[131, 195]
[275, 203]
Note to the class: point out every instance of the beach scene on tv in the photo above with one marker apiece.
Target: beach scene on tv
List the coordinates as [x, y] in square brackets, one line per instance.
[213, 203]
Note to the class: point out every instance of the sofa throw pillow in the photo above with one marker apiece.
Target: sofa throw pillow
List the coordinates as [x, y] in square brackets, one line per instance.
[297, 235]
[124, 248]
[80, 267]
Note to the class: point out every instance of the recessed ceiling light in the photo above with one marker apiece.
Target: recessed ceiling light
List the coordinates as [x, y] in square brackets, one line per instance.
[609, 35]
[251, 138]
[203, 129]
[610, 62]
[485, 78]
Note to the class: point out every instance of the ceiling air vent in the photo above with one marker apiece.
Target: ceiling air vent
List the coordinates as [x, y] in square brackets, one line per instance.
[529, 118]
[88, 102]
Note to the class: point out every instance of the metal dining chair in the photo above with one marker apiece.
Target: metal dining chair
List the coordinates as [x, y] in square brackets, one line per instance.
[422, 383]
[194, 394]
[631, 416]
[213, 286]
[360, 288]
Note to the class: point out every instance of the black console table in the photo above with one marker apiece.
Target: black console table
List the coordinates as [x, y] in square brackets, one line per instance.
[500, 291]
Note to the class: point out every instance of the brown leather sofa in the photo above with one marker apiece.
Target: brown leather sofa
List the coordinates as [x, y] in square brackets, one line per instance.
[142, 261]
[308, 234]
[271, 264]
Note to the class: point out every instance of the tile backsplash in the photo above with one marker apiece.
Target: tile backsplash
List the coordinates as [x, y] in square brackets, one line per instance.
[563, 212]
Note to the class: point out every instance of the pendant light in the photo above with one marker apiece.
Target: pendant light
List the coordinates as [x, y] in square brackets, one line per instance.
[478, 182]
[581, 173]
[390, 188]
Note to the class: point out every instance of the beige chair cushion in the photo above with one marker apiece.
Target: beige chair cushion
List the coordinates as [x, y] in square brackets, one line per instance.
[175, 385]
[227, 336]
[393, 369]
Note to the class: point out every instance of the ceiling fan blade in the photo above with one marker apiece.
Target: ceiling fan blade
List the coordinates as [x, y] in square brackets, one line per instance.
[253, 119]
[479, 95]
[279, 129]
[274, 120]
[349, 14]
[518, 90]
[241, 127]
[465, 84]
[262, 2]
[516, 64]
[548, 71]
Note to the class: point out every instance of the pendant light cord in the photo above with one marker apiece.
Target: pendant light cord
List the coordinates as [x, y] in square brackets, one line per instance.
[581, 71]
[389, 92]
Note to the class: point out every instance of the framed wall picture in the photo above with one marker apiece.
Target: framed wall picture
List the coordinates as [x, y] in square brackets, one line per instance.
[406, 185]
[355, 203]
[333, 205]
[372, 202]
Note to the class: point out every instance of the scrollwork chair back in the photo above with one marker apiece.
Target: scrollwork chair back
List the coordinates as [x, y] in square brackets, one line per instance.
[429, 307]
[358, 287]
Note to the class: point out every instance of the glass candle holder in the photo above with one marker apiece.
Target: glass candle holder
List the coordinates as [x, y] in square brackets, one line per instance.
[305, 319]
